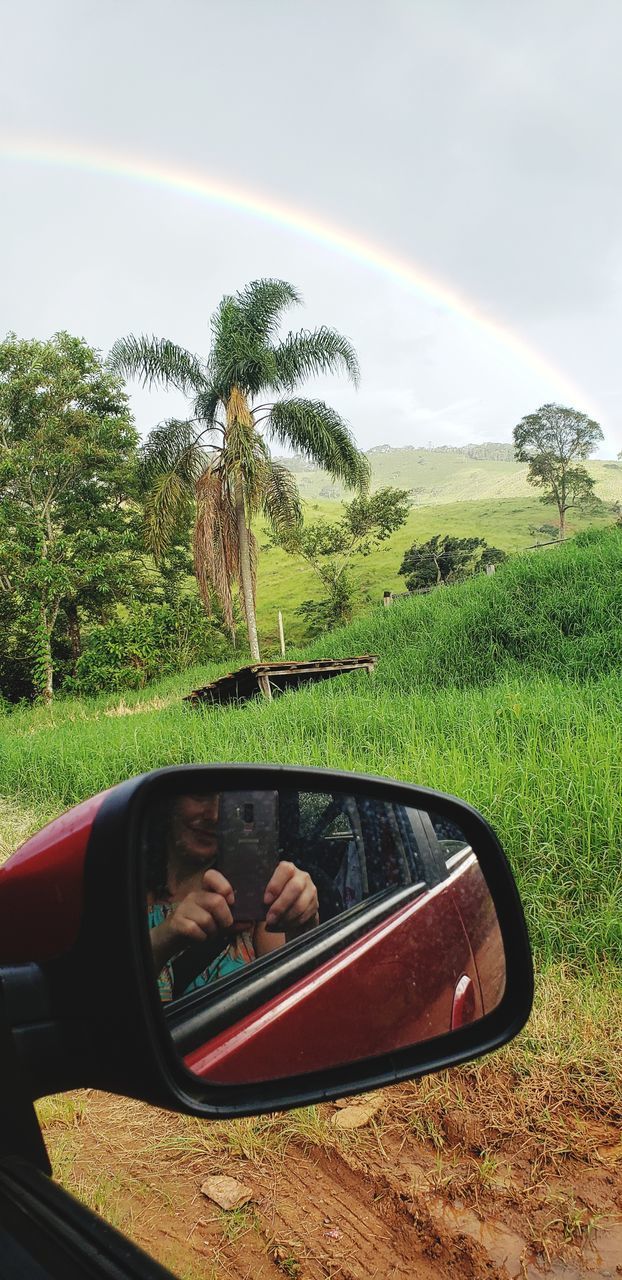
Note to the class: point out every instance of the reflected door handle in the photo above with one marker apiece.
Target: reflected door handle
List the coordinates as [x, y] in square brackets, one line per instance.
[463, 1009]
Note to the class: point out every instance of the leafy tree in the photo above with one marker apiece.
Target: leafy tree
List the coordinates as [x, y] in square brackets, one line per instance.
[329, 547]
[157, 639]
[554, 441]
[219, 459]
[443, 559]
[67, 535]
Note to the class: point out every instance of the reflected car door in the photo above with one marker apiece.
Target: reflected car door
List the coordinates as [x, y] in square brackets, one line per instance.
[473, 901]
[357, 1001]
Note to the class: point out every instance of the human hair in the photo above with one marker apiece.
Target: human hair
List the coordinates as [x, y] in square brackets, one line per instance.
[156, 837]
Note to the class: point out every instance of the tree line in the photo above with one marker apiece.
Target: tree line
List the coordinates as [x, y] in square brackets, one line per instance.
[102, 539]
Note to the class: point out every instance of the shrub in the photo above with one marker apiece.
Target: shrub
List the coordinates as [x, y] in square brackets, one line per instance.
[157, 640]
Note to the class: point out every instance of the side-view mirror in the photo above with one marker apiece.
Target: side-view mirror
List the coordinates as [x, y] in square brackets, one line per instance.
[228, 940]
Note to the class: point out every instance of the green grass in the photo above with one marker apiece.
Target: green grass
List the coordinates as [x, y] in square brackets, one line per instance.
[446, 476]
[284, 582]
[557, 610]
[504, 691]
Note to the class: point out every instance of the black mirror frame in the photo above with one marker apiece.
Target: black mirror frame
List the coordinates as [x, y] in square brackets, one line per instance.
[129, 1049]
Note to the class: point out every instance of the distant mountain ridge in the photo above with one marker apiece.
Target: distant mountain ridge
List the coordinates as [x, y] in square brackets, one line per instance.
[490, 450]
[448, 473]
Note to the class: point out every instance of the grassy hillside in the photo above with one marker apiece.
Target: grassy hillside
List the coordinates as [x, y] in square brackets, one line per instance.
[504, 690]
[450, 475]
[285, 582]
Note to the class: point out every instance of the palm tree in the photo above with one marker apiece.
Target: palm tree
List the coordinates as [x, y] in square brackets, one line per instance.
[219, 458]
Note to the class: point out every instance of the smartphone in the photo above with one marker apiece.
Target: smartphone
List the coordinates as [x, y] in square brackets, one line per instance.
[248, 843]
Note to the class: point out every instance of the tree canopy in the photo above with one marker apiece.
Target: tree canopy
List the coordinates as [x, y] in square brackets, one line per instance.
[554, 441]
[67, 462]
[330, 546]
[445, 559]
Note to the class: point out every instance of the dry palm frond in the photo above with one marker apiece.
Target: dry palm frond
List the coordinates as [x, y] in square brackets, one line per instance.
[238, 410]
[215, 544]
[244, 452]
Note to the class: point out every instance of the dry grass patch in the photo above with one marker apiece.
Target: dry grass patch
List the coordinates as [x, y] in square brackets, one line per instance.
[520, 1150]
[17, 823]
[122, 708]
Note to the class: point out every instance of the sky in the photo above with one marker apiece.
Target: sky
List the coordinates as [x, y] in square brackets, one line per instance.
[440, 179]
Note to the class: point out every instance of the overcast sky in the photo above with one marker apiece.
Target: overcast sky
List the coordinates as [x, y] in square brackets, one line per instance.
[477, 140]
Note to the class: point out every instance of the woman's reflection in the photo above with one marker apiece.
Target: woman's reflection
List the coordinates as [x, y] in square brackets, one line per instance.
[191, 904]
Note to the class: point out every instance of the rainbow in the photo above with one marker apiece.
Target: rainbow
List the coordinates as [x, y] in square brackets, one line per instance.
[354, 246]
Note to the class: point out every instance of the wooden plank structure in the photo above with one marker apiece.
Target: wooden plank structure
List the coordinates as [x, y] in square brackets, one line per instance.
[241, 685]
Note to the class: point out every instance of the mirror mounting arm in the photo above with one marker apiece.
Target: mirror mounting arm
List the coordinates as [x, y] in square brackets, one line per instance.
[20, 1134]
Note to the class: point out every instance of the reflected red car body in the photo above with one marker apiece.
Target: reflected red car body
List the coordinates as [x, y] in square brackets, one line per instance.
[357, 1004]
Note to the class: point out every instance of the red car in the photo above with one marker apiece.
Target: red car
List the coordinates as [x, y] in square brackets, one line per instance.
[415, 957]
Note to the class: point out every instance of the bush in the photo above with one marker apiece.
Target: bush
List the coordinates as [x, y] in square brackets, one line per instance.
[334, 610]
[157, 640]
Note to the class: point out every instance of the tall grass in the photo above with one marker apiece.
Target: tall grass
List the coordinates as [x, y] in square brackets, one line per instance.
[557, 610]
[284, 582]
[502, 691]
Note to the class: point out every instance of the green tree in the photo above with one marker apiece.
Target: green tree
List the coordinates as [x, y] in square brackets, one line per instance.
[554, 441]
[219, 459]
[330, 546]
[444, 559]
[67, 454]
[152, 641]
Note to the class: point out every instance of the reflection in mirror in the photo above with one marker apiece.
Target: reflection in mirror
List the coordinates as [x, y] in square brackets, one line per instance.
[292, 931]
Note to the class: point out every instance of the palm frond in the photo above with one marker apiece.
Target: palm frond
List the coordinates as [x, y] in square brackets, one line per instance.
[262, 303]
[239, 357]
[280, 499]
[167, 500]
[307, 354]
[312, 428]
[157, 362]
[244, 452]
[206, 405]
[172, 446]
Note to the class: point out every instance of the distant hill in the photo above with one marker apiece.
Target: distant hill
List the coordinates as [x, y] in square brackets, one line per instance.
[447, 474]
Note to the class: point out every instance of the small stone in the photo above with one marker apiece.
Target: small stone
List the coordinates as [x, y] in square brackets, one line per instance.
[356, 1115]
[226, 1192]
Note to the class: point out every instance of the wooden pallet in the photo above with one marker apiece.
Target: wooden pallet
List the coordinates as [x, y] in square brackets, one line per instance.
[241, 685]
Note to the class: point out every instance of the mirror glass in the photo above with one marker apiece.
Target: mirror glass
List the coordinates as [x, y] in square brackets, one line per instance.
[291, 931]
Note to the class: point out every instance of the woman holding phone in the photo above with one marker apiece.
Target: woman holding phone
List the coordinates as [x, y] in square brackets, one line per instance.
[195, 937]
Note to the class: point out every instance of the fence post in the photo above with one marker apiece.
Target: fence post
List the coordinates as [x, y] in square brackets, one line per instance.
[281, 634]
[387, 599]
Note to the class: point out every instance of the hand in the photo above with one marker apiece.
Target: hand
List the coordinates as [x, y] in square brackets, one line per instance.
[292, 901]
[198, 915]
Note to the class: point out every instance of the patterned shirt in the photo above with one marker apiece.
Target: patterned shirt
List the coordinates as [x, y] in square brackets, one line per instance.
[239, 951]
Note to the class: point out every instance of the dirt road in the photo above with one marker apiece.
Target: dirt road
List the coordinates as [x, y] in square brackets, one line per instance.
[423, 1189]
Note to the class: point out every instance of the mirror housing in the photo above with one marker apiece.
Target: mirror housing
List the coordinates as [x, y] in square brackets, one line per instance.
[75, 946]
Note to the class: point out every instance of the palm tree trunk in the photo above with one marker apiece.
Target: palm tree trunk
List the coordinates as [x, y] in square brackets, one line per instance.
[247, 581]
